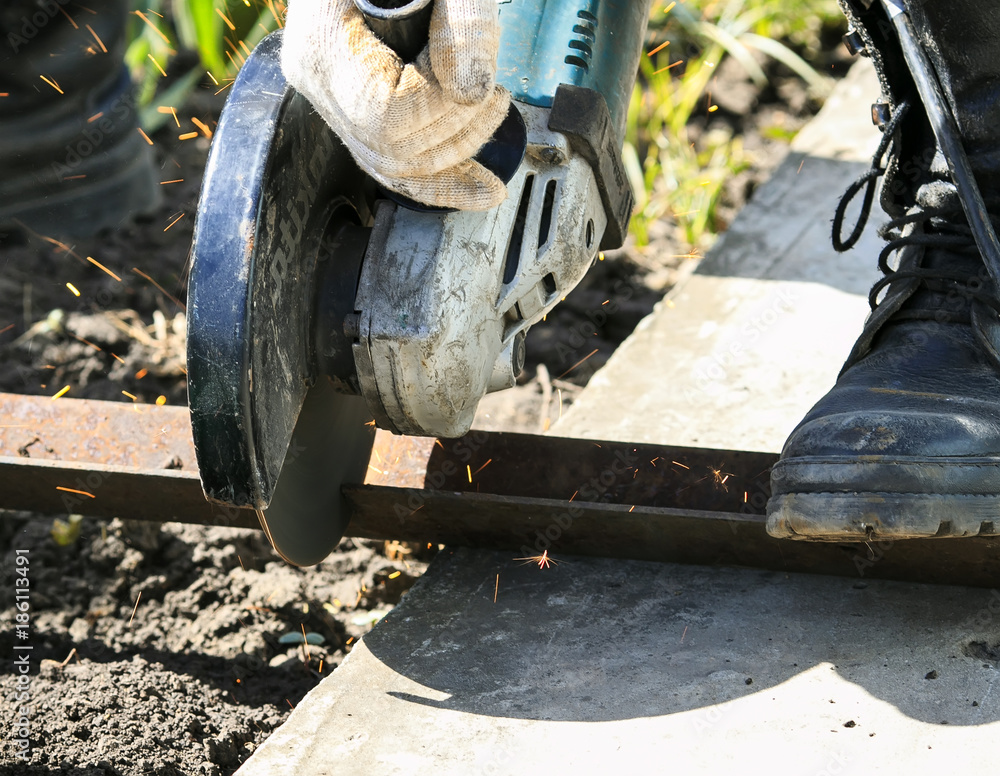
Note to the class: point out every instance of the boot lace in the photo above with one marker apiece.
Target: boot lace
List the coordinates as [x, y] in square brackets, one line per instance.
[941, 227]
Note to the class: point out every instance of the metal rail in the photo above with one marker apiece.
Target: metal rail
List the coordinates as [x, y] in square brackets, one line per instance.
[522, 492]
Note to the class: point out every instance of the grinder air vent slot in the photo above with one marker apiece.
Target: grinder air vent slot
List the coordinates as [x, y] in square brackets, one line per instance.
[545, 224]
[513, 259]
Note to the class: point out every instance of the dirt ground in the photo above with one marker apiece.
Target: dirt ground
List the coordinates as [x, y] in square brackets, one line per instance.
[170, 650]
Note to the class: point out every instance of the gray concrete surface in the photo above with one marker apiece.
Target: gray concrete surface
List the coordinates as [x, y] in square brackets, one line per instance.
[601, 666]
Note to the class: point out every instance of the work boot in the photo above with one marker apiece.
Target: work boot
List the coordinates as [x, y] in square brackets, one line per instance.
[72, 161]
[907, 443]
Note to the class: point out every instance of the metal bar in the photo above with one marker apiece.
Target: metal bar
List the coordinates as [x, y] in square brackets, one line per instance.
[529, 526]
[516, 491]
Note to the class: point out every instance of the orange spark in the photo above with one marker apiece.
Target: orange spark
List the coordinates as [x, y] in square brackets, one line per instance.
[73, 289]
[209, 74]
[130, 395]
[75, 25]
[668, 67]
[164, 291]
[7, 328]
[658, 49]
[100, 266]
[99, 41]
[118, 357]
[52, 83]
[87, 342]
[74, 490]
[95, 117]
[153, 27]
[135, 607]
[144, 135]
[141, 373]
[202, 126]
[174, 221]
[474, 473]
[577, 364]
[153, 60]
[496, 589]
[187, 136]
[161, 400]
[232, 27]
[680, 464]
[543, 560]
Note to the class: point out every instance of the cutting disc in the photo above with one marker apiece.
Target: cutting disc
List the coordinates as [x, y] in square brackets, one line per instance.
[270, 432]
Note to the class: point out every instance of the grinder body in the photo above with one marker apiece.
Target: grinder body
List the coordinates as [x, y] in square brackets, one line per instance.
[317, 304]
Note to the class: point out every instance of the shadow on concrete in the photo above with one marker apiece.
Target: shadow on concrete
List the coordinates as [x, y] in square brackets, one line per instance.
[595, 639]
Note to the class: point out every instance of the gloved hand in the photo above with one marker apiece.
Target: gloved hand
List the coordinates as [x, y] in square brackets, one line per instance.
[413, 128]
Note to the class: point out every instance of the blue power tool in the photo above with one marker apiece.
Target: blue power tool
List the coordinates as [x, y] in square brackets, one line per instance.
[319, 306]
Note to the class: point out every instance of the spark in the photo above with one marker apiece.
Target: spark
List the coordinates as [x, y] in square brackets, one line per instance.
[575, 493]
[99, 41]
[267, 530]
[164, 291]
[669, 8]
[244, 47]
[202, 126]
[305, 641]
[713, 108]
[161, 400]
[473, 474]
[158, 67]
[496, 589]
[172, 111]
[224, 88]
[155, 29]
[241, 562]
[95, 117]
[87, 342]
[144, 135]
[800, 166]
[209, 74]
[577, 364]
[232, 27]
[52, 83]
[290, 704]
[71, 21]
[377, 471]
[684, 634]
[62, 392]
[174, 221]
[178, 180]
[187, 136]
[678, 463]
[658, 49]
[101, 267]
[7, 328]
[73, 289]
[130, 395]
[543, 560]
[74, 490]
[141, 373]
[395, 574]
[114, 355]
[135, 607]
[469, 470]
[631, 508]
[668, 67]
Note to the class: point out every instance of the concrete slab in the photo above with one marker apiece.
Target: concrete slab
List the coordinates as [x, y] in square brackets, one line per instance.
[737, 354]
[599, 666]
[491, 666]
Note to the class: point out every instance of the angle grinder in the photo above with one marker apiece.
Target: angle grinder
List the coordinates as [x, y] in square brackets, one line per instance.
[320, 306]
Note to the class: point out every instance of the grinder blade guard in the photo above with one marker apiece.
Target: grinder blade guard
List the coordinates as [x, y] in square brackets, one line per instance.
[289, 229]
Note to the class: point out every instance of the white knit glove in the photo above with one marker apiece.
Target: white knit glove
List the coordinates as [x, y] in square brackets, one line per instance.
[413, 128]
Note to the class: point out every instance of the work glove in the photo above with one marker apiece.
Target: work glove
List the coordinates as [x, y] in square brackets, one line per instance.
[413, 127]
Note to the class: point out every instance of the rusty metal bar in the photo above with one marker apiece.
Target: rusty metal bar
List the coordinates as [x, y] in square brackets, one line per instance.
[522, 492]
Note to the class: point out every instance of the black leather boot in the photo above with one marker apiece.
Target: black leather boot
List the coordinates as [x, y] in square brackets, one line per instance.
[907, 444]
[71, 159]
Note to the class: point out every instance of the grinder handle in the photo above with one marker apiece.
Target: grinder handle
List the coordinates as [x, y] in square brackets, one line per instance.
[399, 24]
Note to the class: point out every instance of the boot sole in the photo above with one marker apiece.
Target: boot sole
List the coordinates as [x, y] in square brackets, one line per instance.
[809, 501]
